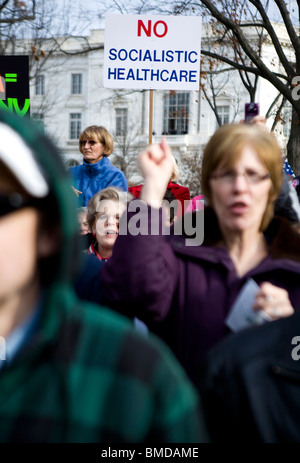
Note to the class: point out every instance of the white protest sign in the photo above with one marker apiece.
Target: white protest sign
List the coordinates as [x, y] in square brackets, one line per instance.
[152, 52]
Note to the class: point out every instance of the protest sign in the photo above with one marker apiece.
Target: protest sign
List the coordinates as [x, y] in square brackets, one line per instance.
[152, 52]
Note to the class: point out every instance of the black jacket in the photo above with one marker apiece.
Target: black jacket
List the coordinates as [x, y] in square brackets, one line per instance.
[250, 385]
[298, 186]
[287, 204]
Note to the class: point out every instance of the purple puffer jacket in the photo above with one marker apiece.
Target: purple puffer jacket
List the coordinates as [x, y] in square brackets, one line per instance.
[184, 293]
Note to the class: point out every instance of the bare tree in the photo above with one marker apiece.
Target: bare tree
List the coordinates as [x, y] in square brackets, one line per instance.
[126, 152]
[40, 28]
[237, 28]
[190, 172]
[215, 84]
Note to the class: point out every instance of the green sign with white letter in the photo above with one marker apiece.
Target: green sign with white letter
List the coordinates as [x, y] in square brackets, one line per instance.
[14, 84]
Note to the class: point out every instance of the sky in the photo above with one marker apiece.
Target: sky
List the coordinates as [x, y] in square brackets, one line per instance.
[92, 17]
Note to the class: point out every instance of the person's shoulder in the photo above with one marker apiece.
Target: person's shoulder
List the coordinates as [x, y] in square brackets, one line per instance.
[283, 238]
[102, 328]
[118, 171]
[110, 345]
[135, 190]
[99, 317]
[87, 283]
[106, 162]
[176, 187]
[240, 350]
[74, 169]
[102, 319]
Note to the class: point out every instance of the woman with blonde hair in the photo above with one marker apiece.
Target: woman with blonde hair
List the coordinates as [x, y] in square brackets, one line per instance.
[96, 171]
[184, 287]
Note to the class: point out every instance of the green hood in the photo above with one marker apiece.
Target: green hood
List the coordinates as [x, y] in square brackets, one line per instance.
[47, 156]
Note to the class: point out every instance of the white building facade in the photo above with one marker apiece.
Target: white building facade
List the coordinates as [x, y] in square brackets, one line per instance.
[68, 95]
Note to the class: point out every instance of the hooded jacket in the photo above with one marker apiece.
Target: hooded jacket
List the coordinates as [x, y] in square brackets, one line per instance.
[86, 375]
[184, 293]
[91, 178]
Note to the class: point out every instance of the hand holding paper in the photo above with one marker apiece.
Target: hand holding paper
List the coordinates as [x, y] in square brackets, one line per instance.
[242, 314]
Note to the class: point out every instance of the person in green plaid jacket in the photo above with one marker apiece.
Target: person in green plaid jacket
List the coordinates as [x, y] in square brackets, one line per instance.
[70, 370]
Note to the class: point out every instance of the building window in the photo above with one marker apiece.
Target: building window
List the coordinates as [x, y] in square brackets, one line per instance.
[40, 85]
[76, 84]
[176, 113]
[38, 120]
[75, 126]
[223, 113]
[121, 121]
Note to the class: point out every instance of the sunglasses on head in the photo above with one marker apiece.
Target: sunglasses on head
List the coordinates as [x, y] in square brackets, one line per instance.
[14, 202]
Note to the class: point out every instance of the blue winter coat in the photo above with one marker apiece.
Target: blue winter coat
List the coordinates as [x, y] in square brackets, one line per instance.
[91, 178]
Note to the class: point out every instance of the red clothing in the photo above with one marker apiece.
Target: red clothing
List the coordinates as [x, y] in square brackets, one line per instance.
[196, 204]
[94, 252]
[181, 193]
[135, 190]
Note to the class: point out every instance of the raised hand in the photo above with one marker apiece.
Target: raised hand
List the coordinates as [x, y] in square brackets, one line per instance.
[156, 165]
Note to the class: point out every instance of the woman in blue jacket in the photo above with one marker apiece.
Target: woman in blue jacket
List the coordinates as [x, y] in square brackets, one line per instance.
[96, 172]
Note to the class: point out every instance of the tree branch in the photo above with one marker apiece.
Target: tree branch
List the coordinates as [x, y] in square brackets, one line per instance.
[241, 67]
[289, 27]
[268, 26]
[257, 61]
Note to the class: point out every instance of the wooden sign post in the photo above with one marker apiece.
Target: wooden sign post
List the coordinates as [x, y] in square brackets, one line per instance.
[150, 116]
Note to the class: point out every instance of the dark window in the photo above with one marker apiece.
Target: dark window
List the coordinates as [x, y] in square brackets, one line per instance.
[176, 113]
[121, 121]
[75, 126]
[76, 84]
[40, 85]
[223, 113]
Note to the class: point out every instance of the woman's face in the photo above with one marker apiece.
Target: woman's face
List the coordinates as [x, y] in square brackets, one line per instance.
[239, 195]
[92, 150]
[106, 225]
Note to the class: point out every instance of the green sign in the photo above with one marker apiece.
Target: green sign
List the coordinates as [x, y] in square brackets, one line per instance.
[14, 84]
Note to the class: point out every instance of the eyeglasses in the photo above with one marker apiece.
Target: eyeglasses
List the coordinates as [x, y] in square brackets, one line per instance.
[90, 142]
[228, 177]
[14, 202]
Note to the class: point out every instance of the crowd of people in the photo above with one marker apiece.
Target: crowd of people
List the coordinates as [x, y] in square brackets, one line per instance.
[142, 314]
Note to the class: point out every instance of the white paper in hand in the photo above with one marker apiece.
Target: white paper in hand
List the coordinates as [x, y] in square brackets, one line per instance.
[241, 314]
